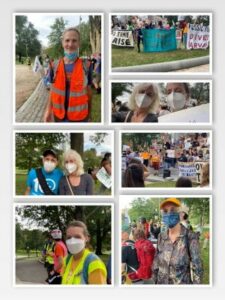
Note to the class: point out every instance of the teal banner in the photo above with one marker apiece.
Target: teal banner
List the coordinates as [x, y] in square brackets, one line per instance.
[159, 40]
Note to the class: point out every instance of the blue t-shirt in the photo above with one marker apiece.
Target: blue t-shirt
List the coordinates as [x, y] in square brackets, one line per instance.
[52, 179]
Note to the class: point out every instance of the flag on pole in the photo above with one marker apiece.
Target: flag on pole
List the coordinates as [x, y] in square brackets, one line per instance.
[37, 65]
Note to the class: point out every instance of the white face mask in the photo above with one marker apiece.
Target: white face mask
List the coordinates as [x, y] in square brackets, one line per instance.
[49, 166]
[143, 100]
[176, 101]
[71, 167]
[75, 245]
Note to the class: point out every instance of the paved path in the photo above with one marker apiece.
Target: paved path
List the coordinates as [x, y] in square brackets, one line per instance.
[202, 68]
[30, 271]
[33, 109]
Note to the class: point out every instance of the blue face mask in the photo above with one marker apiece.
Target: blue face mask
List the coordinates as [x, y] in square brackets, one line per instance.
[71, 56]
[171, 219]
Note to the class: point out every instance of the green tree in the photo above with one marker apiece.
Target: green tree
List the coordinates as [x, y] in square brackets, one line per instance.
[91, 160]
[30, 146]
[85, 46]
[97, 219]
[55, 48]
[27, 43]
[119, 88]
[200, 91]
[138, 141]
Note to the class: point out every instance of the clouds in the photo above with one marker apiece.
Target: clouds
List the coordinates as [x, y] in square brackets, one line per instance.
[43, 21]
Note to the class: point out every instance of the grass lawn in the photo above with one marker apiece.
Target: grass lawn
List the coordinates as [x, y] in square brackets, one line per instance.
[96, 107]
[21, 186]
[130, 57]
[206, 263]
[166, 184]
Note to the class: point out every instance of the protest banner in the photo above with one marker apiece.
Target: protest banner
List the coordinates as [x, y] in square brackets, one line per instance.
[198, 37]
[122, 38]
[104, 178]
[187, 169]
[159, 40]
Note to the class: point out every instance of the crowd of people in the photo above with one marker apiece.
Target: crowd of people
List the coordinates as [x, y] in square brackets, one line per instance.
[164, 155]
[72, 262]
[137, 23]
[49, 179]
[147, 102]
[166, 252]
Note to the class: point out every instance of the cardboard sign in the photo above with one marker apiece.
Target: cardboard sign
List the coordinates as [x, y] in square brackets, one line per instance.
[198, 166]
[104, 178]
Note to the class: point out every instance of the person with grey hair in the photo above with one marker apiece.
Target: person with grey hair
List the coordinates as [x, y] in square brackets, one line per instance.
[75, 182]
[70, 93]
[143, 104]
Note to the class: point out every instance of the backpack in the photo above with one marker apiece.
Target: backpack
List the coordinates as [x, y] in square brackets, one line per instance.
[145, 254]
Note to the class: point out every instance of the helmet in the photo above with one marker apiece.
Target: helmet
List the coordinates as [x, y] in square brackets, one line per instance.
[56, 234]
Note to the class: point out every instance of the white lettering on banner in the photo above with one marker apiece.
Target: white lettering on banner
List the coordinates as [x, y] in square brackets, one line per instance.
[187, 169]
[122, 38]
[198, 37]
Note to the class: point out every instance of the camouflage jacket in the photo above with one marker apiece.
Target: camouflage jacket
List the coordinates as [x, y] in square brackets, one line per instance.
[178, 262]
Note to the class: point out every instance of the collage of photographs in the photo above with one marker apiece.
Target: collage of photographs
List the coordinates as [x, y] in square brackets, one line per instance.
[106, 150]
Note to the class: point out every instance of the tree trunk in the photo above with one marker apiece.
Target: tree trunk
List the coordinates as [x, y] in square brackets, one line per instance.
[77, 142]
[79, 214]
[95, 34]
[98, 250]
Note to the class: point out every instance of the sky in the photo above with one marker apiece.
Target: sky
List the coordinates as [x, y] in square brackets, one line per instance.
[42, 23]
[105, 147]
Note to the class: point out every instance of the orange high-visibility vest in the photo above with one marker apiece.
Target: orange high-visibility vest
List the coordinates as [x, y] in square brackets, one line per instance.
[78, 98]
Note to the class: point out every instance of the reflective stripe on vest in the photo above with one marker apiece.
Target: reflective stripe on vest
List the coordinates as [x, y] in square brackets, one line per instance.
[76, 277]
[78, 98]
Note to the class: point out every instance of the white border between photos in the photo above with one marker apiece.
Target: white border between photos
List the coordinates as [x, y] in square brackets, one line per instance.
[207, 190]
[74, 198]
[65, 286]
[142, 124]
[167, 285]
[55, 124]
[210, 14]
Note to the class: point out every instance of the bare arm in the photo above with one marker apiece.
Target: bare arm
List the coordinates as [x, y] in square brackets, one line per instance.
[27, 191]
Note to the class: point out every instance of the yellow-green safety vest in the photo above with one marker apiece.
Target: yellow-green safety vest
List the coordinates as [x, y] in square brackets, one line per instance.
[49, 258]
[88, 263]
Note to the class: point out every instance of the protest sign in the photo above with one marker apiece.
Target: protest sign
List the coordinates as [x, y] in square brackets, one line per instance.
[187, 169]
[37, 65]
[159, 40]
[122, 38]
[199, 165]
[198, 37]
[197, 114]
[104, 178]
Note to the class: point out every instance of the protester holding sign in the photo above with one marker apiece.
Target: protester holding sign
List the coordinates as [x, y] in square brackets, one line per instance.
[75, 182]
[143, 104]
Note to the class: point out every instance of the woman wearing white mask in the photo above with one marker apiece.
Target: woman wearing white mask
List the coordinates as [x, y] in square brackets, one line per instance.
[81, 266]
[178, 95]
[143, 104]
[75, 182]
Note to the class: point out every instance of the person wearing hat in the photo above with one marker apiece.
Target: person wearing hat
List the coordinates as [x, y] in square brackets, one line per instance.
[45, 180]
[177, 259]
